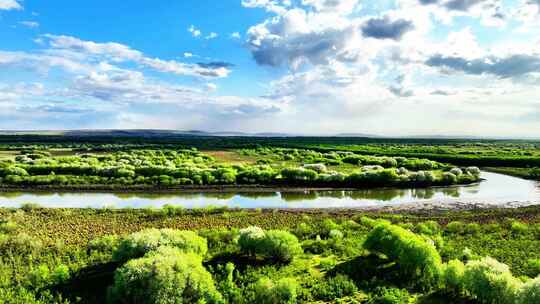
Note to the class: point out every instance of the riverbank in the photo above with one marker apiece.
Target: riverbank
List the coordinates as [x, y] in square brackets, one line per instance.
[526, 173]
[204, 188]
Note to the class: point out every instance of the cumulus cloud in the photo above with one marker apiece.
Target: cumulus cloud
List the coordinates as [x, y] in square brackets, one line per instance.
[385, 28]
[512, 66]
[338, 6]
[10, 5]
[295, 36]
[490, 12]
[117, 52]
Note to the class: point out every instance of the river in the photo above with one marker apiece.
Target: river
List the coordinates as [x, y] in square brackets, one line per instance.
[497, 189]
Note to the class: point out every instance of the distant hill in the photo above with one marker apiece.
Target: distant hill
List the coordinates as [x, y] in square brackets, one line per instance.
[155, 133]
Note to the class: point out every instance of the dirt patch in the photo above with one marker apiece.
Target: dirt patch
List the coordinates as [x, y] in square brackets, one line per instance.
[231, 157]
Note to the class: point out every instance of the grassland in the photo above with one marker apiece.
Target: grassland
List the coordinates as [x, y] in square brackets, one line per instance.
[35, 239]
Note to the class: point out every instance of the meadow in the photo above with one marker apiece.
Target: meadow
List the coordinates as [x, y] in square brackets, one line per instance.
[268, 256]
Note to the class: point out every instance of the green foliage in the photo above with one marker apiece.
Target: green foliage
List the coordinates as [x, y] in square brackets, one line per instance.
[142, 166]
[139, 243]
[490, 281]
[334, 288]
[417, 259]
[530, 292]
[519, 228]
[165, 276]
[454, 272]
[250, 240]
[533, 268]
[455, 227]
[392, 296]
[278, 245]
[284, 291]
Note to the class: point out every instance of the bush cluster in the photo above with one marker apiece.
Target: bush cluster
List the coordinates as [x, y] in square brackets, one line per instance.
[167, 275]
[273, 244]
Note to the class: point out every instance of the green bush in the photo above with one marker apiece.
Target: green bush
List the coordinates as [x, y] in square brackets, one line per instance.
[453, 276]
[280, 245]
[334, 288]
[532, 268]
[104, 245]
[456, 227]
[250, 239]
[530, 292]
[165, 276]
[283, 291]
[417, 259]
[519, 228]
[490, 281]
[274, 244]
[428, 228]
[392, 296]
[138, 244]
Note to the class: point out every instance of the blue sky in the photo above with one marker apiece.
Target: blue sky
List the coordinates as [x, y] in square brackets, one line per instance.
[392, 67]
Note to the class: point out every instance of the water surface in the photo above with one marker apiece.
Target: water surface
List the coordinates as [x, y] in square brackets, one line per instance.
[498, 189]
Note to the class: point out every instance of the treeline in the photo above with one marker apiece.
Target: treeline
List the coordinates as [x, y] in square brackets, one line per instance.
[169, 168]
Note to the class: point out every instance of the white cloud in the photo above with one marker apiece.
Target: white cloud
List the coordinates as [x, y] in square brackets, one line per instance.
[116, 52]
[211, 36]
[29, 24]
[194, 31]
[295, 37]
[10, 5]
[236, 35]
[337, 6]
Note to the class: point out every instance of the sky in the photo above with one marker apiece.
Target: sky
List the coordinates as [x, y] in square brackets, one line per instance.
[384, 67]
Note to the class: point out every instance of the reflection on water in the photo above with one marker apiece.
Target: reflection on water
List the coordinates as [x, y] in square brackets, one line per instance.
[497, 189]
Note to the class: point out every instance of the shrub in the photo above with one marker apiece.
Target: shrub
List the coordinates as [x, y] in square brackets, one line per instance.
[456, 227]
[490, 281]
[530, 292]
[475, 171]
[392, 296]
[417, 259]
[429, 228]
[519, 228]
[274, 244]
[532, 267]
[138, 244]
[319, 168]
[165, 276]
[335, 234]
[280, 245]
[105, 244]
[456, 171]
[334, 288]
[20, 244]
[250, 239]
[472, 228]
[453, 276]
[449, 178]
[283, 291]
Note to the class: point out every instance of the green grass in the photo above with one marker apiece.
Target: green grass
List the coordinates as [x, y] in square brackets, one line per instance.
[509, 235]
